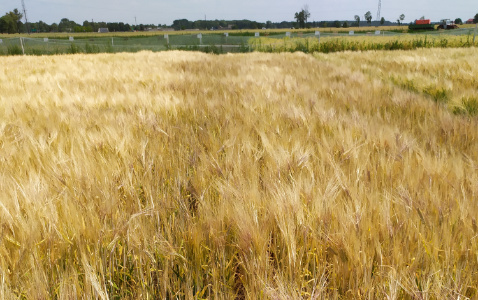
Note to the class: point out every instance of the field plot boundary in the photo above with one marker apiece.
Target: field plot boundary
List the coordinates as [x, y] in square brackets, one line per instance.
[222, 42]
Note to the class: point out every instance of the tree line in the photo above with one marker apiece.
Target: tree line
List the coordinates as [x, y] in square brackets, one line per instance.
[11, 22]
[304, 14]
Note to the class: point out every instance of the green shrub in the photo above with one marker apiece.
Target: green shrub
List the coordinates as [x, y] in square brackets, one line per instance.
[109, 49]
[14, 50]
[74, 49]
[37, 52]
[91, 48]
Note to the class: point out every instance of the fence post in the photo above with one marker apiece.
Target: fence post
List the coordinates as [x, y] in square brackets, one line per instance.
[21, 43]
[317, 33]
[112, 43]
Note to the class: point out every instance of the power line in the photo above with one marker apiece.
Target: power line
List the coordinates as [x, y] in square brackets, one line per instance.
[25, 14]
[379, 9]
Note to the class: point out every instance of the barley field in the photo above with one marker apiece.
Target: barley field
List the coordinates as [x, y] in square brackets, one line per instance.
[331, 43]
[181, 175]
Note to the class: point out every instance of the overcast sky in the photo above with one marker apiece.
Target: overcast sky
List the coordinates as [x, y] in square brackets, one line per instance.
[165, 11]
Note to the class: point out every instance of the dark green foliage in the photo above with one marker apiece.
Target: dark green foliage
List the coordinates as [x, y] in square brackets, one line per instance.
[368, 17]
[244, 48]
[470, 105]
[357, 21]
[74, 49]
[11, 22]
[92, 48]
[439, 95]
[66, 25]
[400, 19]
[109, 49]
[207, 49]
[14, 50]
[36, 52]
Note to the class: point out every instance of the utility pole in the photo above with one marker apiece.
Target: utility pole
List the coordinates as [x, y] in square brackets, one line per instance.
[379, 9]
[25, 14]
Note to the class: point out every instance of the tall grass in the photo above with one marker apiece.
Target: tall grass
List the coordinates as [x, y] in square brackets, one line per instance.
[359, 43]
[255, 176]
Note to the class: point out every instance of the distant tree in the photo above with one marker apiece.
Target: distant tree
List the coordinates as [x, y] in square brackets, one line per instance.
[82, 29]
[345, 25]
[400, 19]
[63, 25]
[300, 18]
[11, 22]
[357, 20]
[422, 18]
[87, 26]
[18, 18]
[368, 17]
[66, 25]
[475, 19]
[458, 21]
[125, 27]
[382, 21]
[44, 27]
[337, 24]
[54, 27]
[182, 24]
[305, 9]
[268, 24]
[3, 25]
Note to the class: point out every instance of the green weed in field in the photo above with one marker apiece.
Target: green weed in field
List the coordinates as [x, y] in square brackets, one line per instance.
[439, 95]
[14, 50]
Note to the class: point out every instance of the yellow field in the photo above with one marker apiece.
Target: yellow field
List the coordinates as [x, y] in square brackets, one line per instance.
[257, 176]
